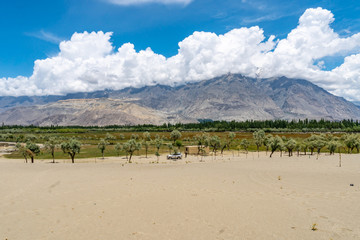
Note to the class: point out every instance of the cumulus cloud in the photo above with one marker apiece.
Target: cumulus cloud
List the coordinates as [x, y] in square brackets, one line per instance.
[138, 2]
[89, 62]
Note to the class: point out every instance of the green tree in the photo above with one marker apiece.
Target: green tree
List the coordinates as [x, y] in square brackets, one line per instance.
[175, 135]
[214, 143]
[202, 141]
[158, 142]
[226, 143]
[109, 138]
[20, 138]
[130, 147]
[118, 148]
[350, 141]
[311, 146]
[274, 144]
[147, 136]
[34, 149]
[357, 145]
[245, 145]
[316, 142]
[266, 143]
[170, 147]
[30, 138]
[134, 136]
[259, 137]
[50, 146]
[311, 143]
[23, 151]
[282, 147]
[146, 142]
[146, 145]
[178, 144]
[319, 144]
[9, 136]
[102, 146]
[231, 138]
[332, 146]
[290, 145]
[223, 145]
[71, 147]
[304, 147]
[45, 138]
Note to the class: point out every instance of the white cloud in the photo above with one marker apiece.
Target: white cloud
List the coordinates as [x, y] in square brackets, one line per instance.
[88, 61]
[86, 45]
[139, 2]
[313, 39]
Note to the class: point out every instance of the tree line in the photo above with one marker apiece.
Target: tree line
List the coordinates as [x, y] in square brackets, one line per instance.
[29, 149]
[261, 140]
[301, 125]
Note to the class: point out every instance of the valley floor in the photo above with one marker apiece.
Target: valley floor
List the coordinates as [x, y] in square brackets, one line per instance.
[230, 197]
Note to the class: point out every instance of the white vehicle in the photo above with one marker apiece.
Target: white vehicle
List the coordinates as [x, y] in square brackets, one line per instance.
[174, 156]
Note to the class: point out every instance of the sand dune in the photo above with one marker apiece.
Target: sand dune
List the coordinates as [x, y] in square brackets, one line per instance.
[228, 198]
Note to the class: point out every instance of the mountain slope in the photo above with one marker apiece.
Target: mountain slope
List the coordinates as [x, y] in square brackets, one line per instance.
[85, 112]
[229, 97]
[235, 97]
[226, 98]
[302, 99]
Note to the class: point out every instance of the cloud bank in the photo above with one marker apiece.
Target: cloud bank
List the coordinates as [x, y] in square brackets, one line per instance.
[89, 62]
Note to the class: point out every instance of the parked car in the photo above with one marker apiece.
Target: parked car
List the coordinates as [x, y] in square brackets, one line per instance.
[174, 156]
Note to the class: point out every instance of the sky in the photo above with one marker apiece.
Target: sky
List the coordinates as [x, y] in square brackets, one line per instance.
[65, 46]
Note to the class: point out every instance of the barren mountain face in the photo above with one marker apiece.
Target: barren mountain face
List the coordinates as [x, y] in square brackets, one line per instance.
[229, 97]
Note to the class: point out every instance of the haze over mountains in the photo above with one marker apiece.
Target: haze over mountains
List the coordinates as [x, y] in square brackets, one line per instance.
[229, 97]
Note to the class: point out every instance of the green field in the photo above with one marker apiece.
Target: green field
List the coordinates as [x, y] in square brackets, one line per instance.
[90, 138]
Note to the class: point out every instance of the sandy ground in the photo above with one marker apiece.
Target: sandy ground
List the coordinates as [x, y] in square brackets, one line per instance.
[232, 197]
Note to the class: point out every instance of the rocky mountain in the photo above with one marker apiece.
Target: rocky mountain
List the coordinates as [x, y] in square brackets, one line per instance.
[85, 112]
[229, 97]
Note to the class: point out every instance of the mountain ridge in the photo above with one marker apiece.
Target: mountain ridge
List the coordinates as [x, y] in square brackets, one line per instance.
[228, 97]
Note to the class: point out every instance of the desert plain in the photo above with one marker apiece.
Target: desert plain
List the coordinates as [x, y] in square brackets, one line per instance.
[235, 196]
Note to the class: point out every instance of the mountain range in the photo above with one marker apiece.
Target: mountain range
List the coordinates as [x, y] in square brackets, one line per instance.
[228, 97]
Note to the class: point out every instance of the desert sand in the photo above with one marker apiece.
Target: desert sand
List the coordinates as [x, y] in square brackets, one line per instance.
[232, 197]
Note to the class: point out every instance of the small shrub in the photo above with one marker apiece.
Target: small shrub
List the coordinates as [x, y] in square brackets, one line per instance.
[313, 227]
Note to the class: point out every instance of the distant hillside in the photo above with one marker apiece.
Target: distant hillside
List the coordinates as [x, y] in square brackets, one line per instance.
[85, 112]
[235, 97]
[229, 97]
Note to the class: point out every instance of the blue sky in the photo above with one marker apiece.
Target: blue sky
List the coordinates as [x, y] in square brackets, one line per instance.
[33, 30]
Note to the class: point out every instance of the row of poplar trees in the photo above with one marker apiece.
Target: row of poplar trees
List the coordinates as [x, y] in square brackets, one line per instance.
[314, 143]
